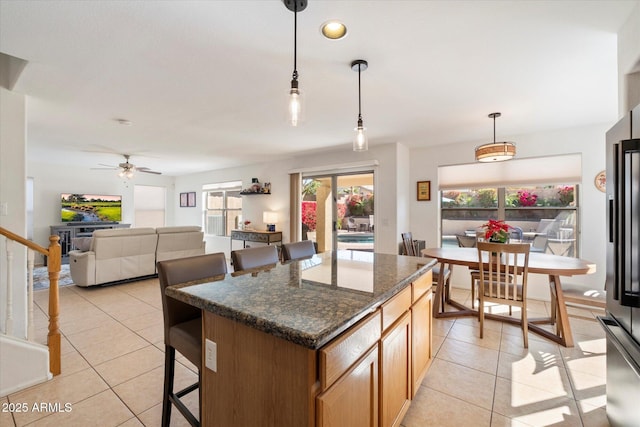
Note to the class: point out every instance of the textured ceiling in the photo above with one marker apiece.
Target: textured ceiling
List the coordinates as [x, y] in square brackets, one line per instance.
[205, 83]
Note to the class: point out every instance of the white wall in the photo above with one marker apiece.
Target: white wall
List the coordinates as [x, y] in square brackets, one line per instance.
[49, 181]
[589, 141]
[12, 197]
[386, 189]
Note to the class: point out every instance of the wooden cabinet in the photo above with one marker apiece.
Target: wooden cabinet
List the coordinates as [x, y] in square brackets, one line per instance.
[420, 340]
[353, 400]
[395, 368]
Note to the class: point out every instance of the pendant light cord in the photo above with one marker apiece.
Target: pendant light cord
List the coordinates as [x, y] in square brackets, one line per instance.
[494, 129]
[295, 40]
[359, 97]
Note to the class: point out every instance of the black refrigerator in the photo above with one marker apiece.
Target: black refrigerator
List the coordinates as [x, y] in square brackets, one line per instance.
[622, 323]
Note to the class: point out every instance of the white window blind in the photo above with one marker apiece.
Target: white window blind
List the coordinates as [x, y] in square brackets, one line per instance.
[149, 206]
[566, 169]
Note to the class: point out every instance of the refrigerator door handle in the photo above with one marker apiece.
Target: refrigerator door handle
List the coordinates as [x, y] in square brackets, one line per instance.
[629, 350]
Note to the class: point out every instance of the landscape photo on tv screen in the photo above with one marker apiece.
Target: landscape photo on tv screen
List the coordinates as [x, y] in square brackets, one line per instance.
[90, 208]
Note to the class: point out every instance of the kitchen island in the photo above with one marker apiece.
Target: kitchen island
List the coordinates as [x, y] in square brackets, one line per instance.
[343, 338]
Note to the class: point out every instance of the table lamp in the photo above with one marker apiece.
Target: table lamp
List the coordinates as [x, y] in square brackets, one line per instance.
[270, 218]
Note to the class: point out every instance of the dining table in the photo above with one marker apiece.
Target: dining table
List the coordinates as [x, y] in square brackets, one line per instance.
[553, 266]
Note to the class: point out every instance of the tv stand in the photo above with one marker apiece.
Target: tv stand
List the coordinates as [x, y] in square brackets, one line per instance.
[72, 230]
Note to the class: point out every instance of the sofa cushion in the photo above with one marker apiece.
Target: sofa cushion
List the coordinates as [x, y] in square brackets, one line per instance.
[83, 244]
[178, 229]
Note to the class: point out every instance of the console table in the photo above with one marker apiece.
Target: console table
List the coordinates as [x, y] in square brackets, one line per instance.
[267, 237]
[70, 231]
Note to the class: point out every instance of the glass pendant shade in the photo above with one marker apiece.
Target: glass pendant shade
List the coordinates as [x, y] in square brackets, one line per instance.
[360, 141]
[296, 109]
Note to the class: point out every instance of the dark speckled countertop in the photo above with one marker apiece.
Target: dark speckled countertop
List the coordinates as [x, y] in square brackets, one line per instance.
[308, 302]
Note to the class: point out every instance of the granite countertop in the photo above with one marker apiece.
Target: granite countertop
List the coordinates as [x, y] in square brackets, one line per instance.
[308, 302]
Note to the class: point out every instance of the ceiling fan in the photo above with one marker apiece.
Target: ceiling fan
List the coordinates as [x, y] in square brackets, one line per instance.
[127, 169]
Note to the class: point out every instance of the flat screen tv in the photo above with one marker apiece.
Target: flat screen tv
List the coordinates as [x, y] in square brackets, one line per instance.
[90, 208]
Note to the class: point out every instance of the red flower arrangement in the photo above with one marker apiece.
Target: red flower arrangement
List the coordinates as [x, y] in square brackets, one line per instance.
[496, 231]
[526, 198]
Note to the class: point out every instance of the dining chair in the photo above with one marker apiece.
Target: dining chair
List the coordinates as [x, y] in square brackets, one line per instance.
[298, 250]
[253, 260]
[183, 325]
[410, 250]
[497, 261]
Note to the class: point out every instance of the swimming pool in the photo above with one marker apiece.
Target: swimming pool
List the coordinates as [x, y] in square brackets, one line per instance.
[355, 237]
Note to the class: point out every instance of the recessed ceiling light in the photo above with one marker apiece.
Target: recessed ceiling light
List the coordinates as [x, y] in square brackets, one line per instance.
[333, 30]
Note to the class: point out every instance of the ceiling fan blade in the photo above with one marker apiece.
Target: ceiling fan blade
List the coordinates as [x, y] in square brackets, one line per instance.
[147, 170]
[104, 169]
[109, 166]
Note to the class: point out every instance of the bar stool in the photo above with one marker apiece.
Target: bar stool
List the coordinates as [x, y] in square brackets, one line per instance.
[254, 260]
[183, 325]
[298, 250]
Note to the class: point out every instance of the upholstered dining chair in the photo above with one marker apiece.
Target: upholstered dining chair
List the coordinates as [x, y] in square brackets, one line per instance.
[410, 250]
[497, 262]
[183, 325]
[253, 260]
[298, 250]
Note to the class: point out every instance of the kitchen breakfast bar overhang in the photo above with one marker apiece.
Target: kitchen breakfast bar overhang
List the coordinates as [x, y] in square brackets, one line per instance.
[343, 338]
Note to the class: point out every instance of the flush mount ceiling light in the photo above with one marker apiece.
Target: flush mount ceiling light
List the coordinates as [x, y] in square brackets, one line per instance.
[495, 151]
[333, 30]
[295, 97]
[360, 142]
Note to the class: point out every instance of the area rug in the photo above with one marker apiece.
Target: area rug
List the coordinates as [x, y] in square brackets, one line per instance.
[41, 277]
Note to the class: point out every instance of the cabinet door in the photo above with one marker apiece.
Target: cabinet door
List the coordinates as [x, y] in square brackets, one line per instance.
[353, 399]
[420, 340]
[395, 372]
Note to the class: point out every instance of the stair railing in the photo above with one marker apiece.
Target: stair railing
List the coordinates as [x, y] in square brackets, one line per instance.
[54, 257]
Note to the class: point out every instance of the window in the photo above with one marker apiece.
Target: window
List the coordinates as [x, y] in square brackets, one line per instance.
[544, 216]
[149, 206]
[223, 211]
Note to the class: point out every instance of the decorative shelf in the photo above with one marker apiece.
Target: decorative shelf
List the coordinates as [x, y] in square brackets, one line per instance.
[253, 193]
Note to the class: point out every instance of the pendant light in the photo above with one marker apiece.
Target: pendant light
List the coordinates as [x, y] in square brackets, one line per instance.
[295, 97]
[360, 141]
[495, 151]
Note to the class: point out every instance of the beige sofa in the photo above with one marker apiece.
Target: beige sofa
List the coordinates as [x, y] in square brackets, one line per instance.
[117, 255]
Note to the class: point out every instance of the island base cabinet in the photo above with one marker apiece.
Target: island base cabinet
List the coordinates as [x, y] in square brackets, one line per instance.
[260, 379]
[353, 399]
[421, 331]
[395, 377]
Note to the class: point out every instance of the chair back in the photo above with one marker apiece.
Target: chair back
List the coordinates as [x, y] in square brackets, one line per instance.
[199, 268]
[409, 246]
[539, 243]
[466, 241]
[516, 234]
[253, 258]
[498, 261]
[298, 250]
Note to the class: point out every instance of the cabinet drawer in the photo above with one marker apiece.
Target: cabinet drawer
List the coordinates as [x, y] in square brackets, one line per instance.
[395, 307]
[421, 285]
[337, 356]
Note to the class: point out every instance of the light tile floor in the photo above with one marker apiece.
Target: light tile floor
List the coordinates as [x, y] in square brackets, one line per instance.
[112, 368]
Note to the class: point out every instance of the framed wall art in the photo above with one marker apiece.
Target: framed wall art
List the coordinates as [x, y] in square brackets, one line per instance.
[188, 200]
[424, 191]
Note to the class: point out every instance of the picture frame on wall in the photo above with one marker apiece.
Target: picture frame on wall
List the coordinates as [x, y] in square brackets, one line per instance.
[191, 199]
[184, 199]
[424, 191]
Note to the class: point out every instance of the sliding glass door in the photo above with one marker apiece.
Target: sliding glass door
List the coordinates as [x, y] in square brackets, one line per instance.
[337, 211]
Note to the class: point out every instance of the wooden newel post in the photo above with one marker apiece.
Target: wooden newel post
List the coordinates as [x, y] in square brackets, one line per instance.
[53, 338]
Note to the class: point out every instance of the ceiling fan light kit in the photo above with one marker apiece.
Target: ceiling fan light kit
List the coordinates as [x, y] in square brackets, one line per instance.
[495, 151]
[127, 170]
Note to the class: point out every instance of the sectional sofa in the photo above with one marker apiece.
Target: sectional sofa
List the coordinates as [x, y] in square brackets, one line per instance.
[116, 255]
